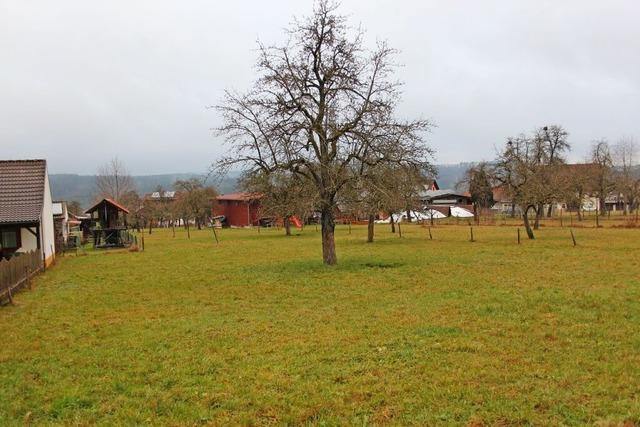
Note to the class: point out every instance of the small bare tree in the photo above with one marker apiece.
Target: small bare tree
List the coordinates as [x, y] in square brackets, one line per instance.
[529, 167]
[195, 200]
[603, 180]
[284, 195]
[626, 177]
[322, 105]
[113, 180]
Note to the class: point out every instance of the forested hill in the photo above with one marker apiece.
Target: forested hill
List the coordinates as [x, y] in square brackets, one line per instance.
[82, 188]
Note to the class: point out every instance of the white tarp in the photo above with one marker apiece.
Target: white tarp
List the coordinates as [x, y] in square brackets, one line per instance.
[460, 212]
[415, 216]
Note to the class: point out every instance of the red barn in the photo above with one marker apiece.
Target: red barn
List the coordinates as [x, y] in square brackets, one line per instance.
[239, 209]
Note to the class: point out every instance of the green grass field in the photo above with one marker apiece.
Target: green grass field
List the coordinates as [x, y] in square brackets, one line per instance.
[256, 330]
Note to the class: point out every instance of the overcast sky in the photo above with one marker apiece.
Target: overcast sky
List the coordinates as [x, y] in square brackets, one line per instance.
[83, 81]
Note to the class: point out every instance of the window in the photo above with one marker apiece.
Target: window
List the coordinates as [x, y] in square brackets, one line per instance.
[9, 239]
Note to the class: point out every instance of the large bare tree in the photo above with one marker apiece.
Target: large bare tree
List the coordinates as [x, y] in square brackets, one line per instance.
[113, 180]
[322, 106]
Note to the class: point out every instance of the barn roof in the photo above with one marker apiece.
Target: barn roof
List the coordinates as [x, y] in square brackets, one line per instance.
[240, 196]
[21, 190]
[109, 202]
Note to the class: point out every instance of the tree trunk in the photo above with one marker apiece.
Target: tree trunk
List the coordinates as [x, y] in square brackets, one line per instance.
[539, 212]
[328, 241]
[527, 226]
[370, 226]
[549, 210]
[513, 210]
[150, 225]
[287, 226]
[408, 215]
[393, 224]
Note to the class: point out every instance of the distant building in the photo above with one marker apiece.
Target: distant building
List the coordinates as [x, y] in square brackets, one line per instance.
[445, 197]
[26, 216]
[60, 223]
[238, 209]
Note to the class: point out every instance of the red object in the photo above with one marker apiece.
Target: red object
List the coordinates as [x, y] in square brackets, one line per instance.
[239, 209]
[296, 221]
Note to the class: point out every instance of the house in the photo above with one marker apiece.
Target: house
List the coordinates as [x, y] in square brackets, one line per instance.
[26, 215]
[445, 197]
[238, 209]
[60, 223]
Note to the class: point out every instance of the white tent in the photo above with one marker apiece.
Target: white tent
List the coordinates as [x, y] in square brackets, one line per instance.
[460, 212]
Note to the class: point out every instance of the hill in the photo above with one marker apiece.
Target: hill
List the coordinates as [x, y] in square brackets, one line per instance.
[83, 187]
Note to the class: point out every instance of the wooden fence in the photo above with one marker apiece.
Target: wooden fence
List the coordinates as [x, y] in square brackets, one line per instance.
[16, 273]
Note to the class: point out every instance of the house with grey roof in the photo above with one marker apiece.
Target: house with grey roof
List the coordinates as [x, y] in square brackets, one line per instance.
[26, 214]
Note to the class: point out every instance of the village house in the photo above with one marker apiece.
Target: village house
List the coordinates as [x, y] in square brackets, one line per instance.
[238, 209]
[26, 210]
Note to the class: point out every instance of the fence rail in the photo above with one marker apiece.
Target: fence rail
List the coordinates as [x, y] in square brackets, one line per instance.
[16, 273]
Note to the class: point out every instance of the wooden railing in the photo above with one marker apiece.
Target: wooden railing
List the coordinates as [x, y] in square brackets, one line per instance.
[16, 273]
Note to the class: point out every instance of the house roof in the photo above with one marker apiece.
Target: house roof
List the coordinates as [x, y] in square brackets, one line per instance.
[110, 202]
[240, 196]
[431, 194]
[21, 190]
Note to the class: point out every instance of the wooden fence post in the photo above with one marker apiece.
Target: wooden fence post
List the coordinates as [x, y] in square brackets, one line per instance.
[518, 235]
[9, 293]
[573, 237]
[471, 234]
[399, 230]
[430, 236]
[215, 234]
[142, 240]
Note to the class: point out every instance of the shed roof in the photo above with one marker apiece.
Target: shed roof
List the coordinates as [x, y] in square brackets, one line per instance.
[21, 190]
[109, 202]
[240, 196]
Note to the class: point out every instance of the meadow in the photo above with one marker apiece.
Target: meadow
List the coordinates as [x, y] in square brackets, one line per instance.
[255, 331]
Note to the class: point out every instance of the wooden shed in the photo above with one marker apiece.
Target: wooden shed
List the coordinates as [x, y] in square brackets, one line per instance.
[109, 224]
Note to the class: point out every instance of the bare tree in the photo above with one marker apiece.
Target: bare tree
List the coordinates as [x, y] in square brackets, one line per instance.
[284, 195]
[195, 200]
[113, 180]
[529, 167]
[322, 106]
[626, 178]
[603, 182]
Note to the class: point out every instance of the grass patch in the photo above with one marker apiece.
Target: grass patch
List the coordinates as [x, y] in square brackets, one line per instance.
[407, 330]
